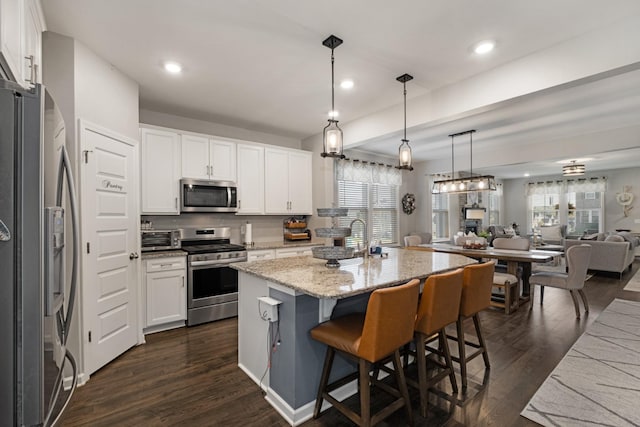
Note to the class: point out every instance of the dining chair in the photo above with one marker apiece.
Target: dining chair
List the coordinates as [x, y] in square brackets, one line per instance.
[369, 338]
[412, 241]
[509, 283]
[577, 264]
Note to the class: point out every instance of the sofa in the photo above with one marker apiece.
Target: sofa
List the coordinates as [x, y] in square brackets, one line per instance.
[614, 253]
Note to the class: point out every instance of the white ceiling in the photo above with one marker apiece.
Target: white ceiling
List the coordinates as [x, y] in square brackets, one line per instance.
[260, 65]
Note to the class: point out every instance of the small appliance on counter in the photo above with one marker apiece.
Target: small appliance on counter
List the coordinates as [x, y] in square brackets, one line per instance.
[160, 240]
[295, 228]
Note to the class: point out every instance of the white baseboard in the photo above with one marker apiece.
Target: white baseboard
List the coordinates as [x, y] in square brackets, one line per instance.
[265, 382]
[68, 380]
[304, 413]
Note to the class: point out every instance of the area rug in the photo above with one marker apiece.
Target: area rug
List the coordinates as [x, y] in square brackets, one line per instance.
[634, 283]
[598, 380]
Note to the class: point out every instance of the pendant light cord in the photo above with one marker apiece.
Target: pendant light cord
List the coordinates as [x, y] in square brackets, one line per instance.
[471, 154]
[333, 111]
[453, 170]
[404, 84]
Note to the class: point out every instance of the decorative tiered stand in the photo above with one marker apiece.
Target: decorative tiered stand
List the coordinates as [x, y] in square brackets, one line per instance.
[332, 253]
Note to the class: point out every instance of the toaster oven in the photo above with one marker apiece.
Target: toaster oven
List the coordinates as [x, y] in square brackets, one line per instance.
[160, 240]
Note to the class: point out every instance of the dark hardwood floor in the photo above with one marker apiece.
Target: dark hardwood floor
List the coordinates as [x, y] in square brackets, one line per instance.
[190, 377]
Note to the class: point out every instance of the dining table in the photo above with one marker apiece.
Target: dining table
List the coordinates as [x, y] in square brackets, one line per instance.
[513, 259]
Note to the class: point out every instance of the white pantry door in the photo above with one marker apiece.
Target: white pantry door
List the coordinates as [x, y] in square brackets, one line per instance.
[110, 226]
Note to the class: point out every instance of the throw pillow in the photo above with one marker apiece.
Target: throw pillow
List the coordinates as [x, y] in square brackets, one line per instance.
[551, 232]
[614, 238]
[601, 237]
[589, 237]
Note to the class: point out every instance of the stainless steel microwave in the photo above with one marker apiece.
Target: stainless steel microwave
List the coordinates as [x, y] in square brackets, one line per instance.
[160, 240]
[208, 196]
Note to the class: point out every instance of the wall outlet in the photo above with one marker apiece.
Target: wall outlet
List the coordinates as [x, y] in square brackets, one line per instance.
[637, 220]
[268, 308]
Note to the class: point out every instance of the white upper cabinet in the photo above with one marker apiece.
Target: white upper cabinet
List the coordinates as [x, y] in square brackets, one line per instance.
[21, 26]
[160, 172]
[250, 179]
[208, 158]
[287, 182]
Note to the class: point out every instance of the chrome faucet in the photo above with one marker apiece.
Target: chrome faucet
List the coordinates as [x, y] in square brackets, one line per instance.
[365, 252]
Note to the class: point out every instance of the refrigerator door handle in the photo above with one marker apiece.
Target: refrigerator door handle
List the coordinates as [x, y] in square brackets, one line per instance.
[5, 234]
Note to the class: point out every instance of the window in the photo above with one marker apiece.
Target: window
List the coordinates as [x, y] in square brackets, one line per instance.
[494, 201]
[584, 213]
[376, 205]
[577, 203]
[440, 215]
[544, 209]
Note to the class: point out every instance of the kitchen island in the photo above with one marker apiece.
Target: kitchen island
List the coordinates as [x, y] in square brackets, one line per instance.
[310, 293]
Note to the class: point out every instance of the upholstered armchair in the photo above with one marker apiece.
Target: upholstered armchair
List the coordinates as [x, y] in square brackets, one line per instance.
[553, 234]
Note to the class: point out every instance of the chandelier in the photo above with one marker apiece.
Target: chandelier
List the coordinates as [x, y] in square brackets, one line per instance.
[464, 184]
[573, 169]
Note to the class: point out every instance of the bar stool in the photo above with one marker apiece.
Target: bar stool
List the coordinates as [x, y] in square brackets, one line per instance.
[439, 307]
[370, 338]
[476, 296]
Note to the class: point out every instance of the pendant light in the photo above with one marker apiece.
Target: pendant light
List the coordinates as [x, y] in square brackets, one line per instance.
[404, 151]
[464, 184]
[332, 134]
[574, 169]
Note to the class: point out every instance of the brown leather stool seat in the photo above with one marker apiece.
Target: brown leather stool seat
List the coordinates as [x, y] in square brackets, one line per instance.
[476, 296]
[439, 307]
[370, 338]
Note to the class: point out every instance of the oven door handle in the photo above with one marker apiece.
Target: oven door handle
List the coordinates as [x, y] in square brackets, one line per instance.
[220, 262]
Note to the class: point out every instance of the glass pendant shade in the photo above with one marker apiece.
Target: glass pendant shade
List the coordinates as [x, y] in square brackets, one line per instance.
[332, 140]
[404, 151]
[404, 155]
[332, 134]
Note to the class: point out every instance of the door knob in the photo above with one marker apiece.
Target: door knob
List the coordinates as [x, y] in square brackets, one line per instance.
[134, 255]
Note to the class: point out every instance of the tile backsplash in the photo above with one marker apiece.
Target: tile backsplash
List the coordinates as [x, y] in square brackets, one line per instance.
[264, 228]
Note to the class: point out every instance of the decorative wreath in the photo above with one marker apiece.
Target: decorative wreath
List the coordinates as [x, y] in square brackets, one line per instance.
[408, 203]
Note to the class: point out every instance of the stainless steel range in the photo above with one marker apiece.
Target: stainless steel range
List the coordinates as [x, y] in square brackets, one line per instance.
[212, 291]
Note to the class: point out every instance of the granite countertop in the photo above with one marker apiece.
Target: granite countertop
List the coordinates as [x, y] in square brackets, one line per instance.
[163, 254]
[281, 244]
[354, 276]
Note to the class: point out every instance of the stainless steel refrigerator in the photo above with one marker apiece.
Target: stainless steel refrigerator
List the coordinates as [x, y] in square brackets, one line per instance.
[36, 305]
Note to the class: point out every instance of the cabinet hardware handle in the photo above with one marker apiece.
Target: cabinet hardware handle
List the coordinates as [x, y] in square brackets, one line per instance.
[176, 202]
[239, 204]
[31, 78]
[183, 281]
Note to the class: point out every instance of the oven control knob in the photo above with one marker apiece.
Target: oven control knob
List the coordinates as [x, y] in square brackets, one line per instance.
[219, 256]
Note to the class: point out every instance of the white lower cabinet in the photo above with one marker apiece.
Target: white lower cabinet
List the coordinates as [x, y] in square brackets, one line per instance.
[166, 293]
[291, 252]
[261, 255]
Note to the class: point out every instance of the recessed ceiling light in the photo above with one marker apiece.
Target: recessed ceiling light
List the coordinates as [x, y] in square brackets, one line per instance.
[484, 47]
[346, 84]
[333, 114]
[527, 174]
[172, 67]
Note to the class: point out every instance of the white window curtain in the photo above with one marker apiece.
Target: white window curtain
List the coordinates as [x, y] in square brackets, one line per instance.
[368, 172]
[591, 185]
[580, 185]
